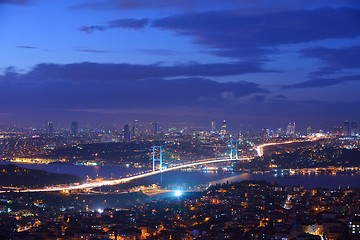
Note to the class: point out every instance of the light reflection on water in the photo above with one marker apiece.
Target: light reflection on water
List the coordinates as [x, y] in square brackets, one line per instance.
[190, 178]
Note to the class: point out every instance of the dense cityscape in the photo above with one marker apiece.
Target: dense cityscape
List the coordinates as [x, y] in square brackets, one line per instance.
[179, 120]
[156, 208]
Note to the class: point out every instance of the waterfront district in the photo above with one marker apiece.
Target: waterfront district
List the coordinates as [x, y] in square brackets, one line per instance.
[244, 210]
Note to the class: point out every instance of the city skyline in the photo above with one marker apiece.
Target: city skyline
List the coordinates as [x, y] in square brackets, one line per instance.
[253, 63]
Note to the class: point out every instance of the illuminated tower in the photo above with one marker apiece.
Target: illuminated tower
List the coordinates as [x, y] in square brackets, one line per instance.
[213, 126]
[223, 128]
[157, 157]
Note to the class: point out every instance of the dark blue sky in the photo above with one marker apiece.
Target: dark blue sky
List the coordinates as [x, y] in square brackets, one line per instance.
[256, 63]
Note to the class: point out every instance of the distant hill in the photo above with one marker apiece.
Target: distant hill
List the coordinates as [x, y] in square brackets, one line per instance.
[12, 175]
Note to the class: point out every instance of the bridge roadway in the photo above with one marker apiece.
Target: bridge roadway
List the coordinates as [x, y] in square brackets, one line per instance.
[259, 149]
[122, 180]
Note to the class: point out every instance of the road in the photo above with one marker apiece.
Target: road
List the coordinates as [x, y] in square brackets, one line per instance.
[260, 148]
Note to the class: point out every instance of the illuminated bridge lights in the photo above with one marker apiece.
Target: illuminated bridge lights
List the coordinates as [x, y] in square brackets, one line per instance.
[123, 180]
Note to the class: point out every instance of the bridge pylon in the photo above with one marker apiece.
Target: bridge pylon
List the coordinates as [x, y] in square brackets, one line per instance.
[157, 156]
[234, 149]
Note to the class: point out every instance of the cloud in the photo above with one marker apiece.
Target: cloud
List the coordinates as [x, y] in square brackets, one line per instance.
[90, 92]
[160, 52]
[239, 35]
[89, 50]
[254, 6]
[90, 29]
[127, 72]
[26, 47]
[139, 4]
[16, 2]
[324, 82]
[129, 23]
[61, 87]
[119, 23]
[335, 60]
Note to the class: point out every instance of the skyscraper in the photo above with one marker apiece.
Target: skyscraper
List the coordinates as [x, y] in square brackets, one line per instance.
[291, 129]
[354, 128]
[126, 133]
[74, 128]
[339, 130]
[346, 129]
[155, 127]
[223, 128]
[308, 131]
[135, 130]
[213, 126]
[49, 128]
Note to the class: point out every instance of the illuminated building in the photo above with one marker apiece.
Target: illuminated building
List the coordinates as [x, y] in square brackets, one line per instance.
[213, 126]
[346, 129]
[354, 227]
[338, 130]
[354, 128]
[126, 133]
[49, 128]
[308, 130]
[155, 127]
[291, 128]
[223, 128]
[266, 133]
[135, 129]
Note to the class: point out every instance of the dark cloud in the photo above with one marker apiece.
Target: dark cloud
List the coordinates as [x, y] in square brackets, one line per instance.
[90, 29]
[335, 60]
[127, 72]
[119, 23]
[17, 2]
[27, 47]
[249, 7]
[89, 50]
[53, 86]
[240, 35]
[87, 91]
[140, 4]
[324, 82]
[129, 23]
[280, 97]
[160, 52]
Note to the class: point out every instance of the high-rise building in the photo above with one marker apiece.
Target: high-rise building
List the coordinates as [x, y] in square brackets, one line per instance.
[155, 127]
[346, 129]
[126, 130]
[354, 128]
[213, 126]
[223, 128]
[291, 129]
[308, 131]
[74, 128]
[49, 128]
[135, 129]
[266, 133]
[338, 130]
